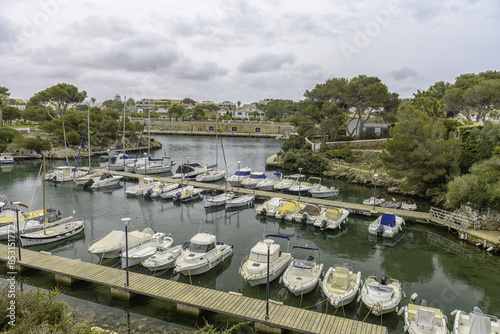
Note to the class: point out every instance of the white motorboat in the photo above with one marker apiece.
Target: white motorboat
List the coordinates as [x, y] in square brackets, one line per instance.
[287, 182]
[113, 243]
[269, 207]
[116, 160]
[154, 166]
[304, 188]
[302, 276]
[324, 192]
[308, 213]
[378, 200]
[218, 200]
[165, 258]
[475, 322]
[240, 201]
[341, 285]
[288, 209]
[80, 181]
[143, 251]
[211, 176]
[32, 225]
[189, 171]
[171, 194]
[161, 188]
[386, 225]
[391, 204]
[145, 183]
[105, 180]
[187, 194]
[6, 158]
[253, 179]
[53, 233]
[268, 183]
[383, 297]
[254, 266]
[408, 205]
[238, 177]
[203, 254]
[421, 319]
[331, 218]
[64, 174]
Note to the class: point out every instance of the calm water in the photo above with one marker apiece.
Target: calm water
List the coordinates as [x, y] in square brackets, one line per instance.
[427, 260]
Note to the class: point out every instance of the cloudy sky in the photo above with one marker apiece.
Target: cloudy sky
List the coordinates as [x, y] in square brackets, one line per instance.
[241, 50]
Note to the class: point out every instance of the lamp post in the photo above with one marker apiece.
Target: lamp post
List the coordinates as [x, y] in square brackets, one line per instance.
[238, 175]
[126, 222]
[109, 160]
[300, 178]
[16, 204]
[375, 178]
[268, 243]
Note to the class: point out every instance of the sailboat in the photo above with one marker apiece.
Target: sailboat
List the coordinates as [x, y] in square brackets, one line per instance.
[53, 233]
[211, 174]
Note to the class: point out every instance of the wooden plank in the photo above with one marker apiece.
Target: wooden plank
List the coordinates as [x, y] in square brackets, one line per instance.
[318, 322]
[310, 320]
[206, 295]
[298, 322]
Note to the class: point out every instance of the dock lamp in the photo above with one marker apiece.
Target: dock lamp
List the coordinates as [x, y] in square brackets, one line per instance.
[16, 204]
[375, 178]
[126, 221]
[238, 174]
[268, 243]
[300, 178]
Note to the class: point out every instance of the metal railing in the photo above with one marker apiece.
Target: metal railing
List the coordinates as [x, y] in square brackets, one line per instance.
[455, 220]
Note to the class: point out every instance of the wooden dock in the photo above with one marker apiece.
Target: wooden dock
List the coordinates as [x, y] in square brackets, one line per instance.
[193, 298]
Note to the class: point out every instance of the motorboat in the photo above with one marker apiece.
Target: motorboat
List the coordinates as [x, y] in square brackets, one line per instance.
[32, 225]
[6, 158]
[161, 188]
[238, 177]
[145, 183]
[64, 174]
[324, 192]
[287, 182]
[253, 179]
[421, 318]
[268, 183]
[188, 193]
[304, 188]
[116, 160]
[475, 322]
[114, 242]
[105, 180]
[341, 285]
[80, 181]
[171, 194]
[308, 213]
[374, 201]
[331, 218]
[189, 171]
[143, 251]
[203, 254]
[386, 225]
[269, 207]
[391, 204]
[53, 233]
[288, 209]
[218, 200]
[211, 175]
[383, 297]
[302, 276]
[254, 267]
[8, 213]
[408, 205]
[240, 201]
[154, 166]
[165, 258]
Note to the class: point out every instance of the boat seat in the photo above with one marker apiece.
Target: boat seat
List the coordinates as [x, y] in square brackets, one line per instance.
[479, 324]
[425, 319]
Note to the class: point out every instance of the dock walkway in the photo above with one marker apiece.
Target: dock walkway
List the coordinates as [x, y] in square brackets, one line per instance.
[280, 316]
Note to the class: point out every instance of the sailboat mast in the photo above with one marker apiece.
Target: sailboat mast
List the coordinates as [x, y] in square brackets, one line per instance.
[88, 135]
[44, 210]
[123, 139]
[216, 144]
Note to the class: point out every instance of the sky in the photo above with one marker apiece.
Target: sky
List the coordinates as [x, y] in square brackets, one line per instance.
[247, 51]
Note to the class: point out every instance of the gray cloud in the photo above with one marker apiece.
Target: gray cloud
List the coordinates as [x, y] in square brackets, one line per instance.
[266, 62]
[402, 74]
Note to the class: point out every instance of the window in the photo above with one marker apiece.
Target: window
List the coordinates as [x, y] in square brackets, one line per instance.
[211, 128]
[234, 129]
[257, 130]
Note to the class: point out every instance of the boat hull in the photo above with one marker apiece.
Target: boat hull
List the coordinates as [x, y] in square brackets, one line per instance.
[41, 240]
[197, 269]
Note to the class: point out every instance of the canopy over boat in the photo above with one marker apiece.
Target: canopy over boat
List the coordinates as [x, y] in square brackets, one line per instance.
[388, 220]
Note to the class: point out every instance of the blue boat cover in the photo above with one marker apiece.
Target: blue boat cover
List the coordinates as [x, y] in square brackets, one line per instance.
[388, 220]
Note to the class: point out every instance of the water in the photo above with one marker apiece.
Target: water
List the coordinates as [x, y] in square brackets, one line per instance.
[428, 260]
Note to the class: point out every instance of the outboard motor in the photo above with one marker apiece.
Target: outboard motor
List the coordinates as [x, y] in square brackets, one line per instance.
[87, 184]
[380, 231]
[383, 280]
[177, 196]
[148, 193]
[324, 223]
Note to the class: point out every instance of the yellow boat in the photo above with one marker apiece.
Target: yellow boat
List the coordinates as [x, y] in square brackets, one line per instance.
[9, 215]
[286, 211]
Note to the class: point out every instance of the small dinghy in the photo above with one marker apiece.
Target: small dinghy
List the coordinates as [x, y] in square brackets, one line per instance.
[324, 192]
[286, 211]
[240, 202]
[218, 200]
[331, 218]
[421, 319]
[308, 214]
[374, 201]
[341, 285]
[475, 322]
[302, 276]
[383, 297]
[408, 205]
[141, 252]
[386, 225]
[269, 207]
[165, 258]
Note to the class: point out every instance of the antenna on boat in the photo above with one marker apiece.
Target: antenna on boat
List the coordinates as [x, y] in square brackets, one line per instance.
[201, 222]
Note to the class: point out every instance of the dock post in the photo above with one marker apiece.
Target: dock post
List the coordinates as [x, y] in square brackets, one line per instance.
[121, 294]
[189, 310]
[19, 268]
[265, 328]
[65, 279]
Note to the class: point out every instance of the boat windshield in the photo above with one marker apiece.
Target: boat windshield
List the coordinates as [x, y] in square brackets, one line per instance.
[195, 248]
[258, 257]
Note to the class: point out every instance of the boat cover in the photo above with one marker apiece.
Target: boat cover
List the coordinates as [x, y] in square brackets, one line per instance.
[311, 210]
[479, 324]
[333, 214]
[425, 318]
[388, 220]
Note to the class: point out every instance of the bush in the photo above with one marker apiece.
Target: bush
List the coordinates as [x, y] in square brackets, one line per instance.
[343, 153]
[37, 144]
[305, 159]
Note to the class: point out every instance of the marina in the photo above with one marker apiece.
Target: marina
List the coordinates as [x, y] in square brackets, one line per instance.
[426, 263]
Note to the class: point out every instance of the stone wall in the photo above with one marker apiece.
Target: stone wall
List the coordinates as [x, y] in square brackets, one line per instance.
[373, 144]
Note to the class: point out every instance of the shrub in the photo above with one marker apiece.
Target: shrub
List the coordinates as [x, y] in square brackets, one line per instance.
[343, 153]
[37, 144]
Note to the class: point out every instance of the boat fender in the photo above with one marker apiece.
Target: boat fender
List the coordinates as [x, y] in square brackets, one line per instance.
[413, 298]
[490, 249]
[400, 312]
[281, 279]
[453, 313]
[359, 298]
